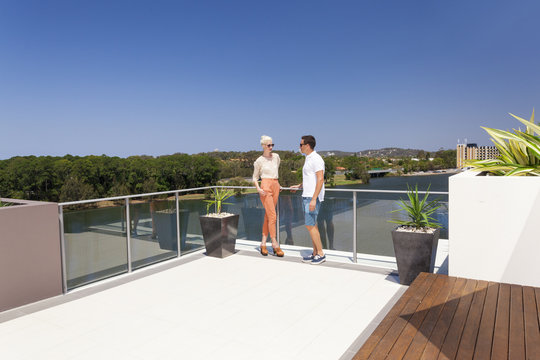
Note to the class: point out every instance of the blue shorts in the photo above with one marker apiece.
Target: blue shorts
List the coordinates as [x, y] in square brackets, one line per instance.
[310, 216]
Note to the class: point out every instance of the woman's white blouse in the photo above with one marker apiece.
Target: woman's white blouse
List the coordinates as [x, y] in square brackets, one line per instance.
[264, 168]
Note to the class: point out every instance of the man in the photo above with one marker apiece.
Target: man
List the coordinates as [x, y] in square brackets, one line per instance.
[312, 195]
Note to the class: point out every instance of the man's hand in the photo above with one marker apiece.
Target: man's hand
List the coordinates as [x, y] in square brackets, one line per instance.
[295, 187]
[312, 205]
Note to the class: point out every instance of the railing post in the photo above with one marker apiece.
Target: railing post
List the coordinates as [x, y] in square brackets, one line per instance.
[355, 260]
[128, 237]
[178, 237]
[62, 248]
[122, 218]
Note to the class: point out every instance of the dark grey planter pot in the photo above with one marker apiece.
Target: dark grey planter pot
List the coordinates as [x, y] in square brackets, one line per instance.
[415, 253]
[219, 235]
[166, 228]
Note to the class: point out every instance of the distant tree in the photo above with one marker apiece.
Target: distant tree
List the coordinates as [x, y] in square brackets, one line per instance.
[329, 171]
[75, 189]
[356, 168]
[238, 181]
[149, 185]
[448, 157]
[119, 189]
[287, 178]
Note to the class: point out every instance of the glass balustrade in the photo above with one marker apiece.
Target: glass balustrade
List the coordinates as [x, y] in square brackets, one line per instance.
[373, 212]
[153, 230]
[335, 220]
[191, 206]
[95, 241]
[96, 233]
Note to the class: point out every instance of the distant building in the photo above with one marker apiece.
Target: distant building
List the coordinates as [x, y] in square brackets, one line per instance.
[474, 152]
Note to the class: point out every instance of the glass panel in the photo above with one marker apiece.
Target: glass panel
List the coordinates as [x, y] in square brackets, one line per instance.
[95, 241]
[335, 220]
[153, 230]
[374, 231]
[158, 228]
[191, 207]
[291, 220]
[337, 213]
[251, 212]
[292, 229]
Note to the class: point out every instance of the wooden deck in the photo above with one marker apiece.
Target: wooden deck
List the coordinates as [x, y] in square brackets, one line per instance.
[443, 317]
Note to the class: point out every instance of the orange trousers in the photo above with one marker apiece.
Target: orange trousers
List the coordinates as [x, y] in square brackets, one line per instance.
[269, 201]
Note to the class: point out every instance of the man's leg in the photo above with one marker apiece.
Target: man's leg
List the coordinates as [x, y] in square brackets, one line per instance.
[322, 230]
[315, 239]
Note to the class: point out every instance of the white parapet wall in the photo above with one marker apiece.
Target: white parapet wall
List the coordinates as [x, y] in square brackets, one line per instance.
[494, 228]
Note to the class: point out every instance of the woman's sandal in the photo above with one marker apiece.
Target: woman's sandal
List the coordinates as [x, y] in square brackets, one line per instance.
[264, 252]
[278, 252]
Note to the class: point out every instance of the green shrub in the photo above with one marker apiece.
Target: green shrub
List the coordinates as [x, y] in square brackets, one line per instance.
[418, 210]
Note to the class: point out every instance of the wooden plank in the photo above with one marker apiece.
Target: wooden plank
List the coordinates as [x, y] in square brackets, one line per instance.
[424, 332]
[499, 349]
[453, 337]
[450, 318]
[472, 323]
[537, 295]
[438, 334]
[532, 330]
[487, 323]
[402, 344]
[516, 341]
[374, 339]
[386, 343]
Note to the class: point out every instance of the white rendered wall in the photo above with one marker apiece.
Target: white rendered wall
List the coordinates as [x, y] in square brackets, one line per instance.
[494, 228]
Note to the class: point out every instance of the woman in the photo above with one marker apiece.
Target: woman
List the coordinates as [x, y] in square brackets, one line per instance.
[266, 167]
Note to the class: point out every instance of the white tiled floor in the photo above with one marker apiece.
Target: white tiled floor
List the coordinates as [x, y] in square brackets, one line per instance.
[242, 307]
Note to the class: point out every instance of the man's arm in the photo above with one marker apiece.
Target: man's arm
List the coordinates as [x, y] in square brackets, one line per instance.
[318, 187]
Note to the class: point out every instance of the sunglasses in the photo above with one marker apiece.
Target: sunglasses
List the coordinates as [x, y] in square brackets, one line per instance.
[302, 144]
[269, 145]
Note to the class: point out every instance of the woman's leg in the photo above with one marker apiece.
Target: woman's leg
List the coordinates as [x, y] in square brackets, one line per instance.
[269, 225]
[269, 201]
[272, 226]
[265, 222]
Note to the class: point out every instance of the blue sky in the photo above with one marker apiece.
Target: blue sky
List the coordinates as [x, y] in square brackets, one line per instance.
[157, 77]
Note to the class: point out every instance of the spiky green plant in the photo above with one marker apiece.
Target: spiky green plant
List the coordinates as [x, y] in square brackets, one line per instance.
[218, 197]
[418, 210]
[2, 204]
[519, 152]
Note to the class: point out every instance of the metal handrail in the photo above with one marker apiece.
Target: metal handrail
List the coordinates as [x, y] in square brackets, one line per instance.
[123, 197]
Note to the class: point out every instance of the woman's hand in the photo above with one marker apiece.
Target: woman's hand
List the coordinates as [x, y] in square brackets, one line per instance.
[261, 191]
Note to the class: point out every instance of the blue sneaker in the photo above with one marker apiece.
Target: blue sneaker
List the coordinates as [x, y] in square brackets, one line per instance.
[308, 259]
[318, 259]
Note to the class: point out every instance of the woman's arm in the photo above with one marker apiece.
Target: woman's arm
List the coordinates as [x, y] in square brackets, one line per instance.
[256, 176]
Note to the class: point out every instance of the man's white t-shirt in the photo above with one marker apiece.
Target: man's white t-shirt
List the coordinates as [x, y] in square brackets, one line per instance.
[314, 162]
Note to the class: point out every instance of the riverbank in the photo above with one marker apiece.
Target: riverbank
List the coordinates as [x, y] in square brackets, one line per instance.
[433, 172]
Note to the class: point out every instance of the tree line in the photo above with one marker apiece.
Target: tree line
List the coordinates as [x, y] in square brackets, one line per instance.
[71, 178]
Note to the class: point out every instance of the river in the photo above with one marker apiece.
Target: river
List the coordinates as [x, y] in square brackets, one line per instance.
[438, 182]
